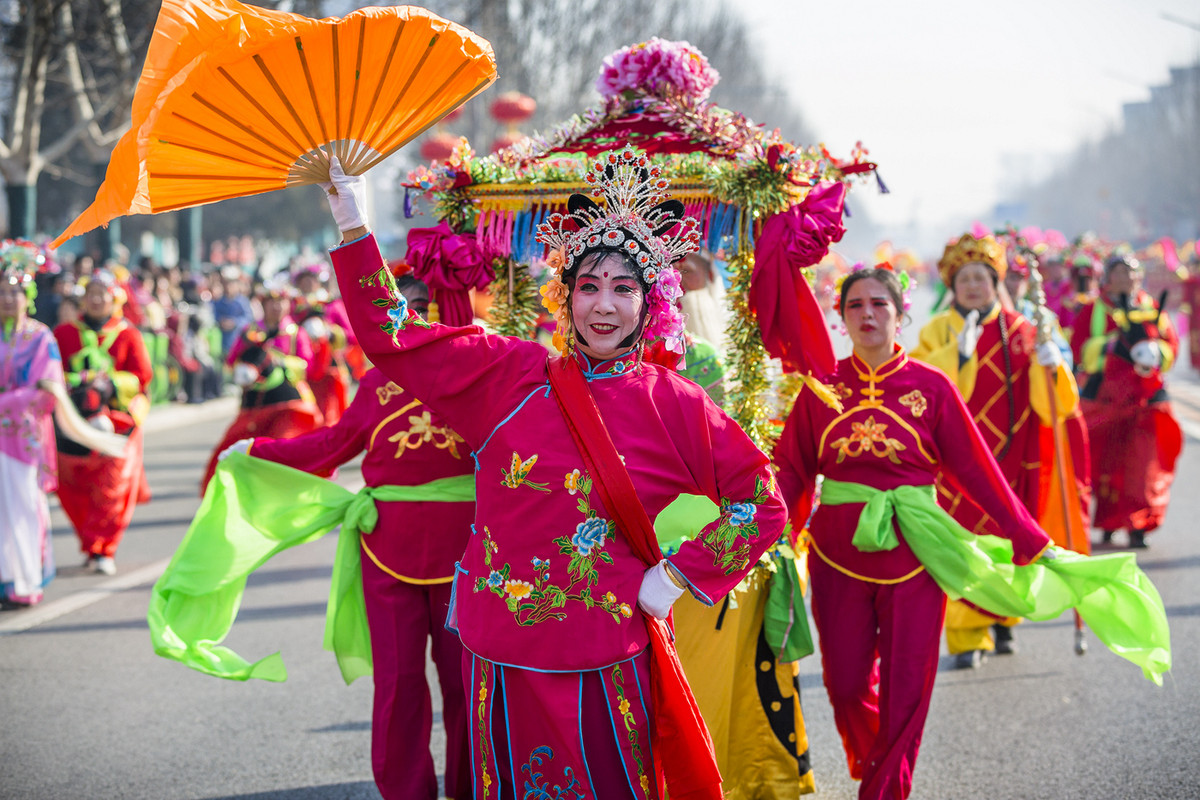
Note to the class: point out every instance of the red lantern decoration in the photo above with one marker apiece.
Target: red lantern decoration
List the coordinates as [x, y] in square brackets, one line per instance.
[512, 108]
[438, 146]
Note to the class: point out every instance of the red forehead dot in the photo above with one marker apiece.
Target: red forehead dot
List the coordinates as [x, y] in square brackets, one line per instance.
[606, 274]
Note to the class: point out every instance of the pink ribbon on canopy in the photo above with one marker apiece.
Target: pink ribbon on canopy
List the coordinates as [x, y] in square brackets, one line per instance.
[451, 264]
[790, 320]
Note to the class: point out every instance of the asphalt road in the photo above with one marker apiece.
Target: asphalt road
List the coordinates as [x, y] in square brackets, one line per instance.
[88, 711]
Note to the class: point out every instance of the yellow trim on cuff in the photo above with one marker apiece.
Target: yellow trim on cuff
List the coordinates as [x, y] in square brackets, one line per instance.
[858, 577]
[397, 575]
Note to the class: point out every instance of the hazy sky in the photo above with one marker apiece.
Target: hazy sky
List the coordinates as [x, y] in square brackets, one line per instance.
[945, 93]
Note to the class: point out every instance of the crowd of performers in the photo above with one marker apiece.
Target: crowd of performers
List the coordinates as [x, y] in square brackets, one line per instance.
[520, 503]
[516, 500]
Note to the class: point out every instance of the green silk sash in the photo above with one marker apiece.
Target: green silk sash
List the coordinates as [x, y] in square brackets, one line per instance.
[254, 509]
[1114, 596]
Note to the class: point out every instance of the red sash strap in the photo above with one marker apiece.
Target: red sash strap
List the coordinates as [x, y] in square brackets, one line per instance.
[684, 757]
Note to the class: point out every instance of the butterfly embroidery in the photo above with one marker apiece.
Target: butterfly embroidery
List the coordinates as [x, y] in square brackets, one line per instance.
[519, 471]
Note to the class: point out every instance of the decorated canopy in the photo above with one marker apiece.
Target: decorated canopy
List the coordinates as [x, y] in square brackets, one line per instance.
[747, 186]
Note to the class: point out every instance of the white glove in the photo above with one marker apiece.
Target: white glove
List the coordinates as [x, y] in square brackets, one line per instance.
[102, 423]
[1146, 357]
[658, 592]
[244, 374]
[240, 446]
[1048, 354]
[316, 328]
[969, 336]
[347, 195]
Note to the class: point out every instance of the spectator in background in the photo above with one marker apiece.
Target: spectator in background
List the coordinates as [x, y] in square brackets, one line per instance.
[232, 310]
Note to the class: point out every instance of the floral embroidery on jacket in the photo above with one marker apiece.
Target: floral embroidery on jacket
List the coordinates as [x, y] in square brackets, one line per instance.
[399, 316]
[387, 392]
[737, 522]
[540, 599]
[538, 787]
[915, 402]
[423, 430]
[868, 437]
[518, 474]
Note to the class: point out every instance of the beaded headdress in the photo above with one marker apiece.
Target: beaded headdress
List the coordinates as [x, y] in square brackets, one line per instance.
[968, 249]
[20, 261]
[637, 220]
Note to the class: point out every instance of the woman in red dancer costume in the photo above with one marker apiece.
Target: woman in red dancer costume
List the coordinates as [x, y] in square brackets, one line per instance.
[1124, 345]
[877, 610]
[323, 318]
[108, 370]
[271, 361]
[407, 567]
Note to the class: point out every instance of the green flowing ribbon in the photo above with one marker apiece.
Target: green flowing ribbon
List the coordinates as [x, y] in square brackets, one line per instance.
[253, 510]
[94, 352]
[1113, 596]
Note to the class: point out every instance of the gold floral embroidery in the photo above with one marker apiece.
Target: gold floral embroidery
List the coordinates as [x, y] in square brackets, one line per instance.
[842, 391]
[915, 402]
[387, 392]
[423, 430]
[868, 437]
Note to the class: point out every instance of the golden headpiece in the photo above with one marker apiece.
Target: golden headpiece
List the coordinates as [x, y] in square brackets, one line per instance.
[969, 250]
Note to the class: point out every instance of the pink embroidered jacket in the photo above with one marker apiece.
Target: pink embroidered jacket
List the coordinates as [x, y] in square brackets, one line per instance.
[547, 582]
[416, 542]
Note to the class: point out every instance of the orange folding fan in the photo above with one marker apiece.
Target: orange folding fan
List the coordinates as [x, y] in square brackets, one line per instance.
[236, 100]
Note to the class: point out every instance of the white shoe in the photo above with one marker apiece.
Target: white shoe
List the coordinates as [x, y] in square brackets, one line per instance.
[105, 565]
[89, 561]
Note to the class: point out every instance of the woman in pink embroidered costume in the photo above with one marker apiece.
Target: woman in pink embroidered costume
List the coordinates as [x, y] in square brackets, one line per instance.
[895, 423]
[407, 567]
[547, 596]
[28, 357]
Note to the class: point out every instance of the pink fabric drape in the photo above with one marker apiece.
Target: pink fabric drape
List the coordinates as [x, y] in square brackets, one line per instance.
[451, 265]
[790, 320]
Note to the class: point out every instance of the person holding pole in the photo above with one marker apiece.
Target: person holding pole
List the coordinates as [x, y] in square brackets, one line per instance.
[992, 355]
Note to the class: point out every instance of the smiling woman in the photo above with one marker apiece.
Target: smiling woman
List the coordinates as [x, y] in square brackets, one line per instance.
[547, 594]
[607, 305]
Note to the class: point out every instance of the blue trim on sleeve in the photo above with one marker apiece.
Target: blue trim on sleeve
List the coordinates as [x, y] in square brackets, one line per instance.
[696, 593]
[347, 244]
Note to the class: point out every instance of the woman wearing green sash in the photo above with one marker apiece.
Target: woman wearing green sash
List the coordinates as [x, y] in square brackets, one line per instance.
[878, 611]
[885, 555]
[407, 566]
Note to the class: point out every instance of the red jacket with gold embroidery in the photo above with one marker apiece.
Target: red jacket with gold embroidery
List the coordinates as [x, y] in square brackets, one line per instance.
[406, 444]
[901, 425]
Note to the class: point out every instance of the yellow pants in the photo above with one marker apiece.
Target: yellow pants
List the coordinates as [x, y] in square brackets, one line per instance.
[750, 701]
[968, 629]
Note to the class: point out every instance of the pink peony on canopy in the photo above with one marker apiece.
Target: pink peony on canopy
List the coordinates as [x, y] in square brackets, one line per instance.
[236, 100]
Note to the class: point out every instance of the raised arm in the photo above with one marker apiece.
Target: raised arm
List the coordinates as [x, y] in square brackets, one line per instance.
[465, 376]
